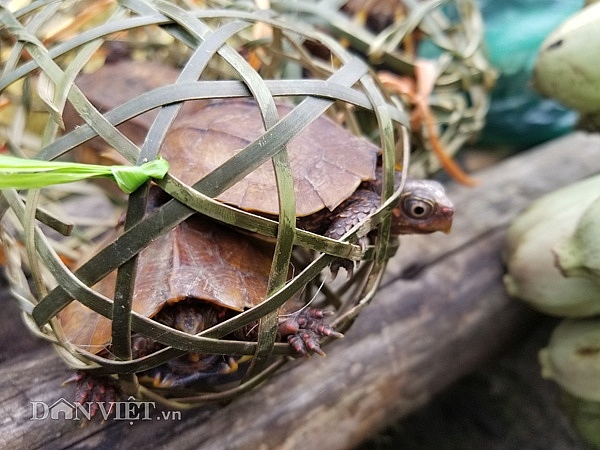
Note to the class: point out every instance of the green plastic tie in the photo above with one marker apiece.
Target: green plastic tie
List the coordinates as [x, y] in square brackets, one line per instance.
[21, 173]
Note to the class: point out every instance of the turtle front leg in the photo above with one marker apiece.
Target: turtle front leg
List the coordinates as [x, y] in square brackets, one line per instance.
[303, 329]
[345, 217]
[95, 390]
[351, 212]
[335, 224]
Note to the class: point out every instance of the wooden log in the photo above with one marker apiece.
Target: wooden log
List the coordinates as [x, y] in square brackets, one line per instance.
[441, 312]
[502, 405]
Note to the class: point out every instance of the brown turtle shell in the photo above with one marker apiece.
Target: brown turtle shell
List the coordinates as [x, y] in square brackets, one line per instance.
[198, 259]
[327, 161]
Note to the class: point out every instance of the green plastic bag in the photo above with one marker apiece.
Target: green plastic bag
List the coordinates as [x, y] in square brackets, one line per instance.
[515, 30]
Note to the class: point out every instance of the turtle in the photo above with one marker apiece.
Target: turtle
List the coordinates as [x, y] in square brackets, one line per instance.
[190, 278]
[336, 175]
[194, 276]
[332, 168]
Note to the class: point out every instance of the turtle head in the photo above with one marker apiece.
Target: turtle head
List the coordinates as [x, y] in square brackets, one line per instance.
[423, 208]
[191, 315]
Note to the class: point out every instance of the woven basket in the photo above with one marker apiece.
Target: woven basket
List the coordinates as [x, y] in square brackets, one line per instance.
[213, 47]
[437, 46]
[207, 43]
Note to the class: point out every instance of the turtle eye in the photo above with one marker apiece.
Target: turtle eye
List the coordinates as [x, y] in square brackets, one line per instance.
[417, 209]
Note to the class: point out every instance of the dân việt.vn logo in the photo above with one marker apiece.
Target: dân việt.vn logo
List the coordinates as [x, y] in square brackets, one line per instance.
[129, 410]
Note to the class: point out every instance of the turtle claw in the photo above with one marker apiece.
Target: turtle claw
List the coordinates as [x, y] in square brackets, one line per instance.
[95, 390]
[337, 264]
[305, 342]
[347, 264]
[303, 330]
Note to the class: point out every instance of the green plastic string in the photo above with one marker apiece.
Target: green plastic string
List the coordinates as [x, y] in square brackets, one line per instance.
[21, 173]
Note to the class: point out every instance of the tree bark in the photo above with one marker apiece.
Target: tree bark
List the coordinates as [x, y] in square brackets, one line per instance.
[441, 312]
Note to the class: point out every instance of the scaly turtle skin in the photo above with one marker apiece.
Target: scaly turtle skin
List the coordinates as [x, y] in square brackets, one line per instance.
[423, 208]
